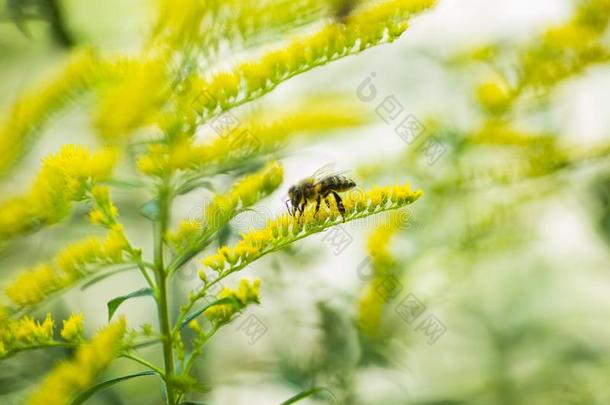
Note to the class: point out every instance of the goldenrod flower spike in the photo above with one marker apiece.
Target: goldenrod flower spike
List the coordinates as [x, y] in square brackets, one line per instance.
[285, 229]
[73, 376]
[105, 212]
[180, 23]
[31, 111]
[381, 23]
[258, 135]
[73, 328]
[134, 100]
[27, 334]
[371, 303]
[191, 233]
[70, 265]
[561, 52]
[24, 333]
[62, 180]
[569, 48]
[247, 293]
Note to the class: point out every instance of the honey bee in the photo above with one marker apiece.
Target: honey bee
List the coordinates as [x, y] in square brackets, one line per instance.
[317, 188]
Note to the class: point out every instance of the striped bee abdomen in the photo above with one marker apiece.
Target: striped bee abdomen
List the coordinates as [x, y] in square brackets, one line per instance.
[335, 183]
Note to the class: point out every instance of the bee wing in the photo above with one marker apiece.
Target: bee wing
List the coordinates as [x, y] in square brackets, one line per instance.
[327, 171]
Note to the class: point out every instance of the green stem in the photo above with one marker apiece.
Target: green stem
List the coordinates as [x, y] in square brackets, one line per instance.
[161, 282]
[12, 352]
[148, 279]
[185, 310]
[144, 362]
[197, 352]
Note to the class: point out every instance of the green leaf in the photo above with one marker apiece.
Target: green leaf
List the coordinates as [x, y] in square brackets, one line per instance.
[195, 314]
[151, 210]
[114, 303]
[308, 393]
[85, 395]
[192, 403]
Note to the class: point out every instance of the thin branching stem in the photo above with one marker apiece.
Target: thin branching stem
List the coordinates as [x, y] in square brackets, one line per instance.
[144, 362]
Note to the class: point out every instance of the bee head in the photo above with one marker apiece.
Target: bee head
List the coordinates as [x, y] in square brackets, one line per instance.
[295, 195]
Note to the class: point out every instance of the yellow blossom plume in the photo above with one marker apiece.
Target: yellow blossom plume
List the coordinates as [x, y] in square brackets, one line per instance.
[568, 49]
[242, 195]
[255, 137]
[105, 212]
[246, 293]
[72, 329]
[70, 377]
[285, 229]
[24, 333]
[69, 266]
[181, 23]
[62, 180]
[495, 96]
[133, 100]
[558, 54]
[267, 134]
[381, 23]
[371, 304]
[32, 110]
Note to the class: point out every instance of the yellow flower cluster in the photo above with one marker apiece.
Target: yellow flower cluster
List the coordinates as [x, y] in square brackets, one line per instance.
[182, 24]
[243, 194]
[372, 303]
[105, 212]
[570, 48]
[561, 52]
[370, 310]
[63, 179]
[73, 328]
[255, 137]
[29, 113]
[157, 160]
[180, 21]
[381, 23]
[266, 135]
[70, 377]
[133, 100]
[495, 96]
[21, 333]
[26, 333]
[251, 18]
[70, 265]
[285, 229]
[247, 293]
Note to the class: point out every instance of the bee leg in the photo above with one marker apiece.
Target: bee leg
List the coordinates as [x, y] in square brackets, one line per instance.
[325, 198]
[319, 199]
[289, 210]
[302, 208]
[339, 205]
[326, 201]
